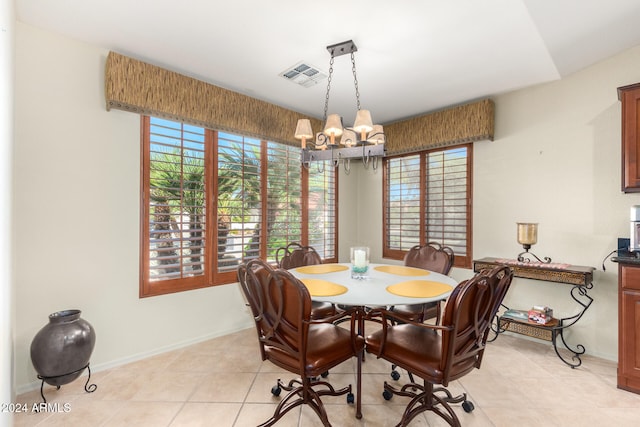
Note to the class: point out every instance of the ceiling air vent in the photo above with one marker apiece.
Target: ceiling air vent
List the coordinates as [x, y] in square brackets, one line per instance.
[304, 74]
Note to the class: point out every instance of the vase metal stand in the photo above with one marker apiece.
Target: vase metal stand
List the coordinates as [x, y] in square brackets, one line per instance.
[89, 388]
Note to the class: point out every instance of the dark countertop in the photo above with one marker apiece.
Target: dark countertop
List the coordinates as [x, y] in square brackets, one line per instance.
[627, 259]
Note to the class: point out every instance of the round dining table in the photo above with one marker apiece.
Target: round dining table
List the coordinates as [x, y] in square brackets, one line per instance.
[384, 285]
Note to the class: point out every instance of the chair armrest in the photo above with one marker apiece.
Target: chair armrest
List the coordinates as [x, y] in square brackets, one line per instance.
[340, 315]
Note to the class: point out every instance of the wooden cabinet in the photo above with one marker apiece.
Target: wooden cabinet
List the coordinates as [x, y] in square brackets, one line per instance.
[629, 327]
[630, 98]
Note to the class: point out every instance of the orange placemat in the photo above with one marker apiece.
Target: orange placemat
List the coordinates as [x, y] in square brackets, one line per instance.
[419, 289]
[402, 270]
[323, 288]
[321, 268]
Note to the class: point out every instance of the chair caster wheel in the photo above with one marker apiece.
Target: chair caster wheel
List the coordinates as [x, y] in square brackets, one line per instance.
[324, 374]
[387, 395]
[276, 390]
[350, 398]
[467, 406]
[395, 375]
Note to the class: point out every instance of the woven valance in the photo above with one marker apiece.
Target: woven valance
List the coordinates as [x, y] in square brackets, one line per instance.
[456, 125]
[136, 86]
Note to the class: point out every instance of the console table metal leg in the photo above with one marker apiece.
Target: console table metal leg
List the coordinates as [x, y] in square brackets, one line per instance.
[579, 350]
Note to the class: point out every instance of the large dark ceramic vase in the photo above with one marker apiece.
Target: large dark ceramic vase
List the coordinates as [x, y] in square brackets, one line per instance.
[60, 351]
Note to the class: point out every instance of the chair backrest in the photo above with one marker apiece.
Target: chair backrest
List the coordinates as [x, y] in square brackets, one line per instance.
[470, 309]
[281, 307]
[295, 255]
[431, 256]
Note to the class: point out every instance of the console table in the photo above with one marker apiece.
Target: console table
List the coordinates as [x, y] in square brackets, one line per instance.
[581, 277]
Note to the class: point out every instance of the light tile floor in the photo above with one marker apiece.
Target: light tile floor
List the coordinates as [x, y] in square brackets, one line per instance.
[223, 382]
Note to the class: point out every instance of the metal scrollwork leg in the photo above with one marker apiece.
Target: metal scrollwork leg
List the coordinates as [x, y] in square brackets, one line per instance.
[89, 388]
[577, 352]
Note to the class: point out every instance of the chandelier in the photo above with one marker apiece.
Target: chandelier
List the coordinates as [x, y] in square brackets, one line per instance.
[337, 143]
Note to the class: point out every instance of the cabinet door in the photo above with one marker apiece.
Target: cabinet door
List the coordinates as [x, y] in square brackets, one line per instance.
[630, 97]
[629, 357]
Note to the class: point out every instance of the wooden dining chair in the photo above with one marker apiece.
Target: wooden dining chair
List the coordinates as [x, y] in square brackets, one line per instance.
[439, 354]
[291, 340]
[433, 257]
[295, 255]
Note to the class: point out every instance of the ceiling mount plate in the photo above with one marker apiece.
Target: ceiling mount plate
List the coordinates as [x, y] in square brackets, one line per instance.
[342, 48]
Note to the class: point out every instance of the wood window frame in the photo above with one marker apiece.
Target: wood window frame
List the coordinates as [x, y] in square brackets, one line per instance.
[211, 276]
[462, 261]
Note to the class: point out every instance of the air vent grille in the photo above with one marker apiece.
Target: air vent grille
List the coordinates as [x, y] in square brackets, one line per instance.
[304, 74]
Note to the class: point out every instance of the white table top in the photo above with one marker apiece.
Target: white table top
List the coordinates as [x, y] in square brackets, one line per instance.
[372, 291]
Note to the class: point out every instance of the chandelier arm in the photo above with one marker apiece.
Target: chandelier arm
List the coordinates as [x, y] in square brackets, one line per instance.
[318, 166]
[335, 162]
[307, 164]
[375, 163]
[366, 157]
[347, 166]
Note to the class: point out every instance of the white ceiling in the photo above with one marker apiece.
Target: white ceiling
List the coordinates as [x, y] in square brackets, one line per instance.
[414, 56]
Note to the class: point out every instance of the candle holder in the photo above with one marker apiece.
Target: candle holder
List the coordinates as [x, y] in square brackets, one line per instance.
[359, 262]
[528, 236]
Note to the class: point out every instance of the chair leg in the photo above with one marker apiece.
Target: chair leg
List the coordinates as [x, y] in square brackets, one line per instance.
[422, 399]
[302, 392]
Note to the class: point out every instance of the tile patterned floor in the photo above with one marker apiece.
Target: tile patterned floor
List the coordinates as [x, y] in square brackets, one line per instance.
[223, 383]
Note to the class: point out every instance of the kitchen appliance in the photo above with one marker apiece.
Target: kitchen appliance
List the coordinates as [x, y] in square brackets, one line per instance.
[634, 245]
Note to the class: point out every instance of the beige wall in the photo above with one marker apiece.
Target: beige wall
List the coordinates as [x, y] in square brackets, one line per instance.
[76, 215]
[555, 160]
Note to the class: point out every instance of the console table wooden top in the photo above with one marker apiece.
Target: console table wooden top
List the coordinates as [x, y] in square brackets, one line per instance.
[571, 274]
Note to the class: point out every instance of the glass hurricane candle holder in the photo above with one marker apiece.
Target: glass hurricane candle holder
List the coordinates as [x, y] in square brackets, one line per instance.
[359, 262]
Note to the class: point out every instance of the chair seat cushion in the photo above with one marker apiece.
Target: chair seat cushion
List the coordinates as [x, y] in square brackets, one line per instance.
[328, 346]
[410, 347]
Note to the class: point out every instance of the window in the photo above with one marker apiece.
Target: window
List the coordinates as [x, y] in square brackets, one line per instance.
[212, 200]
[427, 198]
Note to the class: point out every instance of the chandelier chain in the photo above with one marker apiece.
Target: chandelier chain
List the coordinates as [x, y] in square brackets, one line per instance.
[355, 79]
[326, 100]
